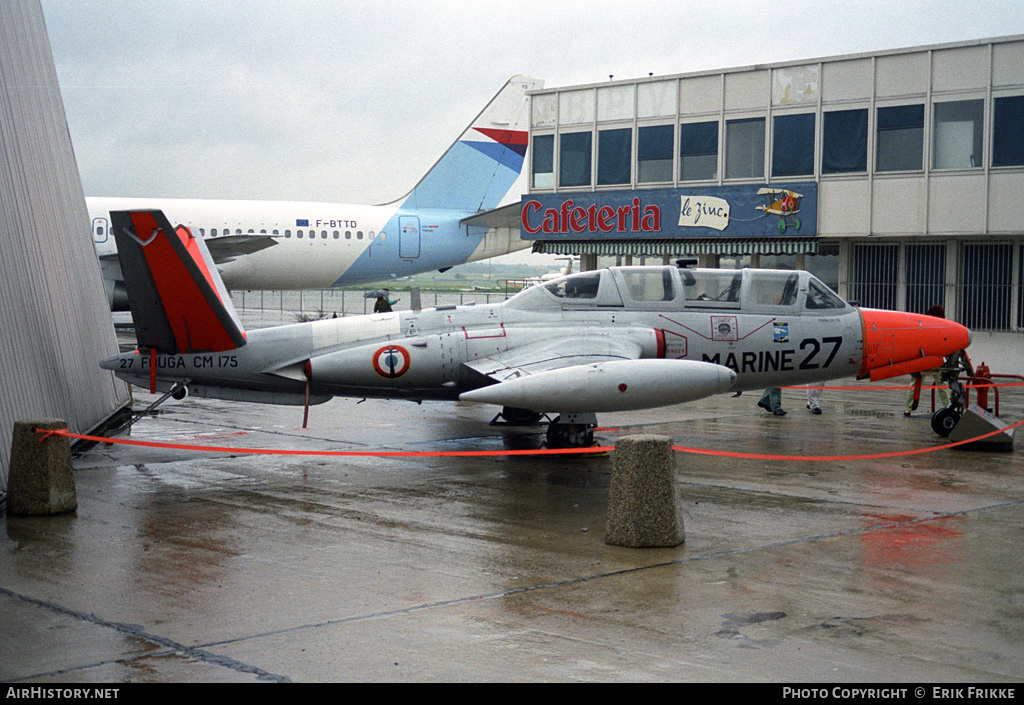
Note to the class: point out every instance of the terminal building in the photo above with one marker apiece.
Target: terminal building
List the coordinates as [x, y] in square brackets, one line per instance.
[896, 177]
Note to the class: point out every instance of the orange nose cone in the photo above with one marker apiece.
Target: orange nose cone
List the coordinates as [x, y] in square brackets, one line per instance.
[897, 343]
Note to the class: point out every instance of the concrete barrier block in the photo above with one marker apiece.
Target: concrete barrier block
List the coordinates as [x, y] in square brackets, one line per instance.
[40, 479]
[643, 506]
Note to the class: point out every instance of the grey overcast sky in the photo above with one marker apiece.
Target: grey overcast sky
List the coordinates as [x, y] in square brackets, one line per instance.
[328, 100]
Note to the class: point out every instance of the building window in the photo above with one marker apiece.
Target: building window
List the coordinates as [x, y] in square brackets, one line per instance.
[698, 151]
[793, 145]
[576, 107]
[1008, 131]
[654, 153]
[744, 149]
[615, 103]
[900, 138]
[544, 161]
[844, 146]
[824, 265]
[574, 159]
[873, 283]
[957, 143]
[987, 276]
[614, 156]
[1020, 288]
[926, 277]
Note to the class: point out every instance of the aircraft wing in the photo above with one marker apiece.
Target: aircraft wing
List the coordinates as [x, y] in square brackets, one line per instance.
[592, 374]
[226, 248]
[223, 249]
[555, 354]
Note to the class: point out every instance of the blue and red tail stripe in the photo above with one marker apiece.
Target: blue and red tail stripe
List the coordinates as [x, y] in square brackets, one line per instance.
[516, 140]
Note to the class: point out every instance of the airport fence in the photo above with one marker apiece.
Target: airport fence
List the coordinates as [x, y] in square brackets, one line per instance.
[266, 308]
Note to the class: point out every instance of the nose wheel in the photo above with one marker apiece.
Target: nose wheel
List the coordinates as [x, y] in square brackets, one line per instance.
[945, 420]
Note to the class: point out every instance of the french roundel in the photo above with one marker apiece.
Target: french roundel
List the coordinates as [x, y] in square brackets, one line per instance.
[391, 361]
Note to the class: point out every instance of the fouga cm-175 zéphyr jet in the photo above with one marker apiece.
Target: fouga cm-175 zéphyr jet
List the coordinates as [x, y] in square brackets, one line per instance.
[452, 216]
[616, 339]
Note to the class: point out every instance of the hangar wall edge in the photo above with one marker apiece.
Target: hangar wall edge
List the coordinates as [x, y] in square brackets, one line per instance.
[56, 323]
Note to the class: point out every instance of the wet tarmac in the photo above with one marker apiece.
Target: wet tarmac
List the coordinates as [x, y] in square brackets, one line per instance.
[222, 567]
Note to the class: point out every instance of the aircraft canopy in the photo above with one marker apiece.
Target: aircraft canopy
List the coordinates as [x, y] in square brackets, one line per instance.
[671, 288]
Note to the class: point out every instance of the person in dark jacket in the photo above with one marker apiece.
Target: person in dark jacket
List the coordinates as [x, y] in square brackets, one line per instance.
[384, 303]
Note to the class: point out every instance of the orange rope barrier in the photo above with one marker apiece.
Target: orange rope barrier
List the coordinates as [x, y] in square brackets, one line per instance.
[368, 453]
[540, 451]
[832, 458]
[873, 387]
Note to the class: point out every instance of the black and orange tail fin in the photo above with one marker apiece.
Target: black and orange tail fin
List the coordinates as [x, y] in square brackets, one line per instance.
[178, 301]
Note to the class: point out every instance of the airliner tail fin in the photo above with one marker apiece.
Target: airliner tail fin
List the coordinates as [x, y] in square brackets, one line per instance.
[479, 170]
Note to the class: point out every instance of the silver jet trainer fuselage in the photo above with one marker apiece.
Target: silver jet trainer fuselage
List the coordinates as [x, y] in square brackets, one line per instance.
[768, 327]
[616, 339]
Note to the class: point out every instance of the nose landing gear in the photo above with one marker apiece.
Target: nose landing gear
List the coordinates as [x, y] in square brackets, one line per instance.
[945, 420]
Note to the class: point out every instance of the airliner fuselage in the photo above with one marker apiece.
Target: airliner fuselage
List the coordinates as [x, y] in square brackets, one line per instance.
[320, 245]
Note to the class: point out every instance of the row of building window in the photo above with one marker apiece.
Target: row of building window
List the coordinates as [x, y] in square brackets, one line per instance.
[990, 276]
[957, 143]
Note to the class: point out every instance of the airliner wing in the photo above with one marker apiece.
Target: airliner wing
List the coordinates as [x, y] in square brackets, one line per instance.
[555, 354]
[226, 248]
[223, 249]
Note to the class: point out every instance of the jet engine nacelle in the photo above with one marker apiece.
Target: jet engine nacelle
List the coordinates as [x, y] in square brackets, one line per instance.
[398, 364]
[620, 385]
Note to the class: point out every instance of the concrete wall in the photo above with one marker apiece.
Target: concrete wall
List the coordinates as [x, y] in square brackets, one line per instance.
[56, 324]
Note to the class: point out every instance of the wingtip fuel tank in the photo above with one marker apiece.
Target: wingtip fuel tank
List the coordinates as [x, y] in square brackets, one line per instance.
[619, 385]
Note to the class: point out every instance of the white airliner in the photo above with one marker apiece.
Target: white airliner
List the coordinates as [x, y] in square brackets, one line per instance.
[451, 217]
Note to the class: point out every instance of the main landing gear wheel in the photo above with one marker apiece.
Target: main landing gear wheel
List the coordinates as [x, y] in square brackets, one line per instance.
[515, 416]
[944, 421]
[571, 431]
